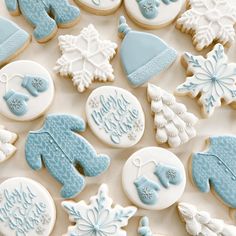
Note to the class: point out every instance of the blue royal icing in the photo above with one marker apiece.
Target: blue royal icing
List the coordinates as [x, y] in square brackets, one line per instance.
[37, 13]
[143, 55]
[61, 150]
[216, 168]
[144, 229]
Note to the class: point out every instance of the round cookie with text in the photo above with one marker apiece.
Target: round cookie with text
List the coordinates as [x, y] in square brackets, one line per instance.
[154, 178]
[26, 208]
[115, 116]
[26, 90]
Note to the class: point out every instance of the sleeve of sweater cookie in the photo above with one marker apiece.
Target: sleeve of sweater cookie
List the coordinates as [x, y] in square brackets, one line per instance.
[12, 5]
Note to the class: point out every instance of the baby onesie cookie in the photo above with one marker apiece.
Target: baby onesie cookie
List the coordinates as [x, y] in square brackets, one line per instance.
[174, 125]
[86, 58]
[209, 21]
[13, 40]
[60, 149]
[45, 15]
[26, 90]
[26, 208]
[216, 168]
[143, 55]
[213, 78]
[153, 178]
[200, 222]
[99, 217]
[115, 116]
[7, 139]
[100, 7]
[153, 14]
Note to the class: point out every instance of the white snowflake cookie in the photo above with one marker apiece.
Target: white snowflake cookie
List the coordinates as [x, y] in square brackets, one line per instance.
[213, 78]
[201, 223]
[99, 217]
[209, 21]
[173, 123]
[86, 58]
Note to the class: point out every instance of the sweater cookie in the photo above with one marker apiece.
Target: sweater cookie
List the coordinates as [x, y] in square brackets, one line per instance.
[60, 149]
[39, 14]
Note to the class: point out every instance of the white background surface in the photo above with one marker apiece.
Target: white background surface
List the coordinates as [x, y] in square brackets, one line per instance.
[68, 100]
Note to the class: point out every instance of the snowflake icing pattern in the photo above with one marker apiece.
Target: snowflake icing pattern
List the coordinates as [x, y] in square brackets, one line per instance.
[98, 218]
[210, 20]
[86, 58]
[147, 193]
[213, 78]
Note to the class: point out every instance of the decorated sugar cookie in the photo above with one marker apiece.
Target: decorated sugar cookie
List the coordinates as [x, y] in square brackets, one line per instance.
[26, 90]
[100, 7]
[200, 222]
[153, 178]
[209, 21]
[99, 217]
[143, 55]
[153, 14]
[45, 16]
[115, 116]
[213, 78]
[7, 140]
[173, 123]
[216, 168]
[26, 208]
[13, 40]
[86, 58]
[61, 150]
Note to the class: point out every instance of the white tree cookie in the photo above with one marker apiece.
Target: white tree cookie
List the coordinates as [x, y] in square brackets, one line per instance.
[7, 139]
[200, 223]
[209, 20]
[173, 123]
[213, 78]
[86, 58]
[98, 218]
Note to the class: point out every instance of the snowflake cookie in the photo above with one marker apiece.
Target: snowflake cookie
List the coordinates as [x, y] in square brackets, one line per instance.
[209, 20]
[213, 78]
[173, 123]
[98, 218]
[86, 58]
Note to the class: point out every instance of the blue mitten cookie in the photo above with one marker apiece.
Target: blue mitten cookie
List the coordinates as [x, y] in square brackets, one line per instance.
[39, 13]
[149, 8]
[62, 150]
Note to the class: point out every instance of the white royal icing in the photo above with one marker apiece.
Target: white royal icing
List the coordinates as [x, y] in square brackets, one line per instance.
[209, 20]
[149, 158]
[26, 208]
[86, 58]
[200, 222]
[173, 123]
[115, 116]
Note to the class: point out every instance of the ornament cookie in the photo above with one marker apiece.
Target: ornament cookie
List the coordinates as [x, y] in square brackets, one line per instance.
[200, 222]
[173, 123]
[209, 21]
[60, 149]
[13, 40]
[213, 78]
[98, 217]
[26, 208]
[100, 7]
[216, 168]
[7, 139]
[153, 14]
[45, 16]
[26, 89]
[115, 116]
[86, 58]
[143, 55]
[153, 178]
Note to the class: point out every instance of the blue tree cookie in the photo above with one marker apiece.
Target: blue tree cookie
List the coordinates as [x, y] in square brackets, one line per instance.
[62, 150]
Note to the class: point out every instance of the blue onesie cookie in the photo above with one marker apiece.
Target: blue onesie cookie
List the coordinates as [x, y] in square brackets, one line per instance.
[61, 150]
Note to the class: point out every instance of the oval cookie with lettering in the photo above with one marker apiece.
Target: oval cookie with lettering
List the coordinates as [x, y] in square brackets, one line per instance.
[115, 116]
[26, 208]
